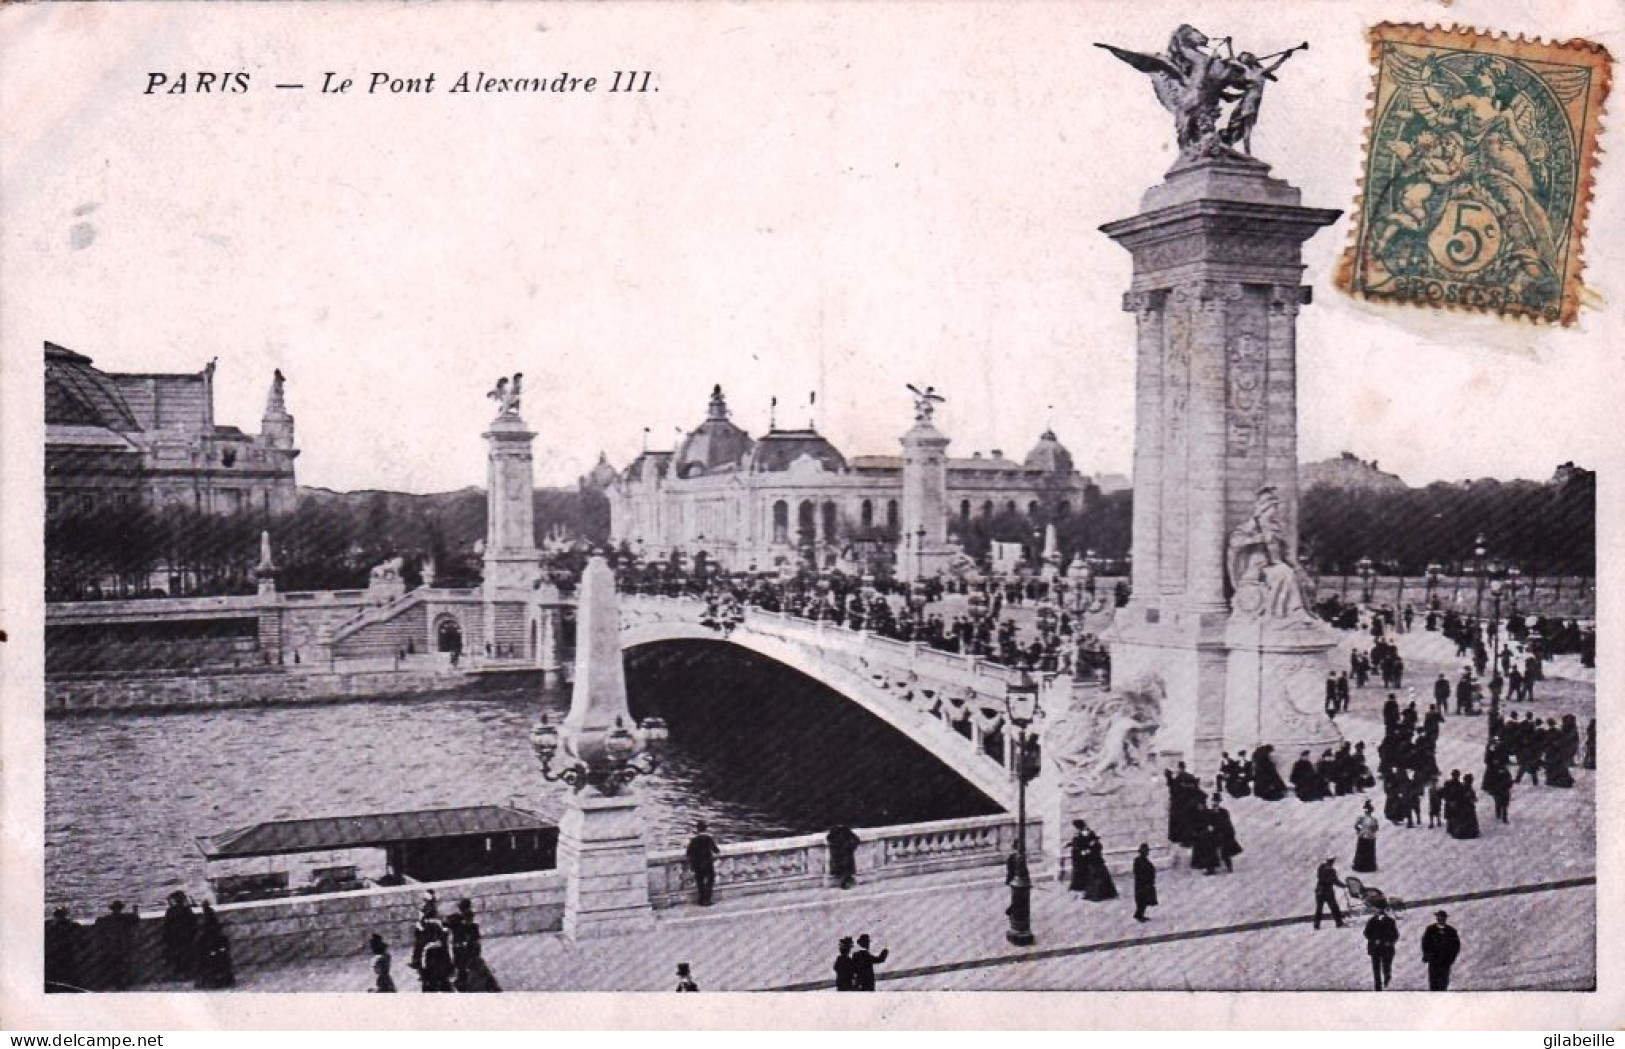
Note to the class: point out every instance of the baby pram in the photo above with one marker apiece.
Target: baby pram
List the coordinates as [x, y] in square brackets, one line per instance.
[1366, 900]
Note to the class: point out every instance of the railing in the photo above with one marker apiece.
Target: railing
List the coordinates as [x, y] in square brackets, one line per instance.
[152, 607]
[883, 853]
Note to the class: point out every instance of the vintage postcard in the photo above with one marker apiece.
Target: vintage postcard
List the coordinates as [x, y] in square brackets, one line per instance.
[512, 506]
[1479, 164]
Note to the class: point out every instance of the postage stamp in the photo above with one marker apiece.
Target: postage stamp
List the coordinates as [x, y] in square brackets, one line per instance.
[1478, 171]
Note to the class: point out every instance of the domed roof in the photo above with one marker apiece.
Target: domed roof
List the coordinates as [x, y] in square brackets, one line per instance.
[1049, 455]
[779, 448]
[602, 475]
[78, 394]
[715, 443]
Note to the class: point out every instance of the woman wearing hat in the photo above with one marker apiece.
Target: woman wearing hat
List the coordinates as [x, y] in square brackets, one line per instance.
[1365, 842]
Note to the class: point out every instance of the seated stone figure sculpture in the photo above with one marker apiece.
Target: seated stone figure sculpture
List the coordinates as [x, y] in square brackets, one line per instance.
[1262, 572]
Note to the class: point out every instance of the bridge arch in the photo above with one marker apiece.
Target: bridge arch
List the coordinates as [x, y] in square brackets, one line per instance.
[923, 729]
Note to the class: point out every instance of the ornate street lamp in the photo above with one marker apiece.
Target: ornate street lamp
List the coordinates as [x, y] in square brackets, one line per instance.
[624, 756]
[1021, 707]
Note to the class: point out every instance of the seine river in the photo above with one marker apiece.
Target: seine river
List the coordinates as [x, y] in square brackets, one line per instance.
[755, 750]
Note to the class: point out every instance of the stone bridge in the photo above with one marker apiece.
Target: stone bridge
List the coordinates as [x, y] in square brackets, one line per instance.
[949, 704]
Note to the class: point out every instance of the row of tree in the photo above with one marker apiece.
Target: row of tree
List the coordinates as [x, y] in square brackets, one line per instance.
[331, 540]
[1542, 528]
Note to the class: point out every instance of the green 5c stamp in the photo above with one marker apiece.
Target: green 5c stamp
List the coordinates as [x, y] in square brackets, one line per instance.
[1478, 172]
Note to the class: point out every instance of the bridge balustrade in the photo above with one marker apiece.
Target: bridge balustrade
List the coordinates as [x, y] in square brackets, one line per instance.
[801, 864]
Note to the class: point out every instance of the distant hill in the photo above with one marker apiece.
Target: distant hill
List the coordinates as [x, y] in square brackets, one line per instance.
[1349, 472]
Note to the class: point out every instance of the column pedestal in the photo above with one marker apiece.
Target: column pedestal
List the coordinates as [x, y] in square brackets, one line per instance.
[601, 854]
[1276, 687]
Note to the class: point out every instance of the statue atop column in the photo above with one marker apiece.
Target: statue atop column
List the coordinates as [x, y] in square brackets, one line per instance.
[1214, 97]
[506, 394]
[925, 402]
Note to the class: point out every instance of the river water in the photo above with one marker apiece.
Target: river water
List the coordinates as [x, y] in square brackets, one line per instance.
[755, 750]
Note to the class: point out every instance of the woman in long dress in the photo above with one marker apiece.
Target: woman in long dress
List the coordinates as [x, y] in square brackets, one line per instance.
[1267, 785]
[1204, 840]
[1365, 842]
[1467, 798]
[1097, 884]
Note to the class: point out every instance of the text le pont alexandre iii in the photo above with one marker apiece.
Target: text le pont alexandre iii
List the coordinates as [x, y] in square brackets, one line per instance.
[238, 82]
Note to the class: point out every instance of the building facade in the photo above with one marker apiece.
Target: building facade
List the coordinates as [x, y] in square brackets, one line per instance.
[791, 496]
[116, 439]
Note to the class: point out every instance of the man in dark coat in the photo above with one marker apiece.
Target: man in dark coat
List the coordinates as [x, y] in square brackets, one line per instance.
[1381, 934]
[1440, 946]
[179, 930]
[115, 942]
[1441, 691]
[62, 935]
[1326, 885]
[843, 855]
[1145, 883]
[702, 860]
[1390, 711]
[863, 965]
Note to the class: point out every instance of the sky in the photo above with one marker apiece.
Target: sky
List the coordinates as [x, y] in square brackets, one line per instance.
[836, 199]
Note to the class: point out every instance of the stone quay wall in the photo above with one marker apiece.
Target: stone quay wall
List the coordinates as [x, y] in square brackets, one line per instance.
[154, 692]
[337, 925]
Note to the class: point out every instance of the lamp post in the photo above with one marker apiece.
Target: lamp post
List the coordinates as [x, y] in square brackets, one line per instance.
[1479, 550]
[1367, 573]
[1020, 707]
[1495, 661]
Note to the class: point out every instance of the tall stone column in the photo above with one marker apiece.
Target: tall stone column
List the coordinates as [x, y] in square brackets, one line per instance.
[1217, 252]
[923, 548]
[512, 562]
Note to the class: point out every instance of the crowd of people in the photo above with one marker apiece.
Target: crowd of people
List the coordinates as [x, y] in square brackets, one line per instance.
[1056, 642]
[448, 954]
[105, 955]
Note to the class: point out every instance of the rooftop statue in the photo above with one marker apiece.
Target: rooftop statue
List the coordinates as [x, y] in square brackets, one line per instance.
[1214, 96]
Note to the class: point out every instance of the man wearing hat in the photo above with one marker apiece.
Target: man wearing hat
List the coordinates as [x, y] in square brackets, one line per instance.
[1145, 883]
[1326, 885]
[863, 965]
[685, 980]
[1381, 934]
[1440, 946]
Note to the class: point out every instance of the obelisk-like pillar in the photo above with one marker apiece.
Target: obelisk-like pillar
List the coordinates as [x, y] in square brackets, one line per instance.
[601, 850]
[1218, 267]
